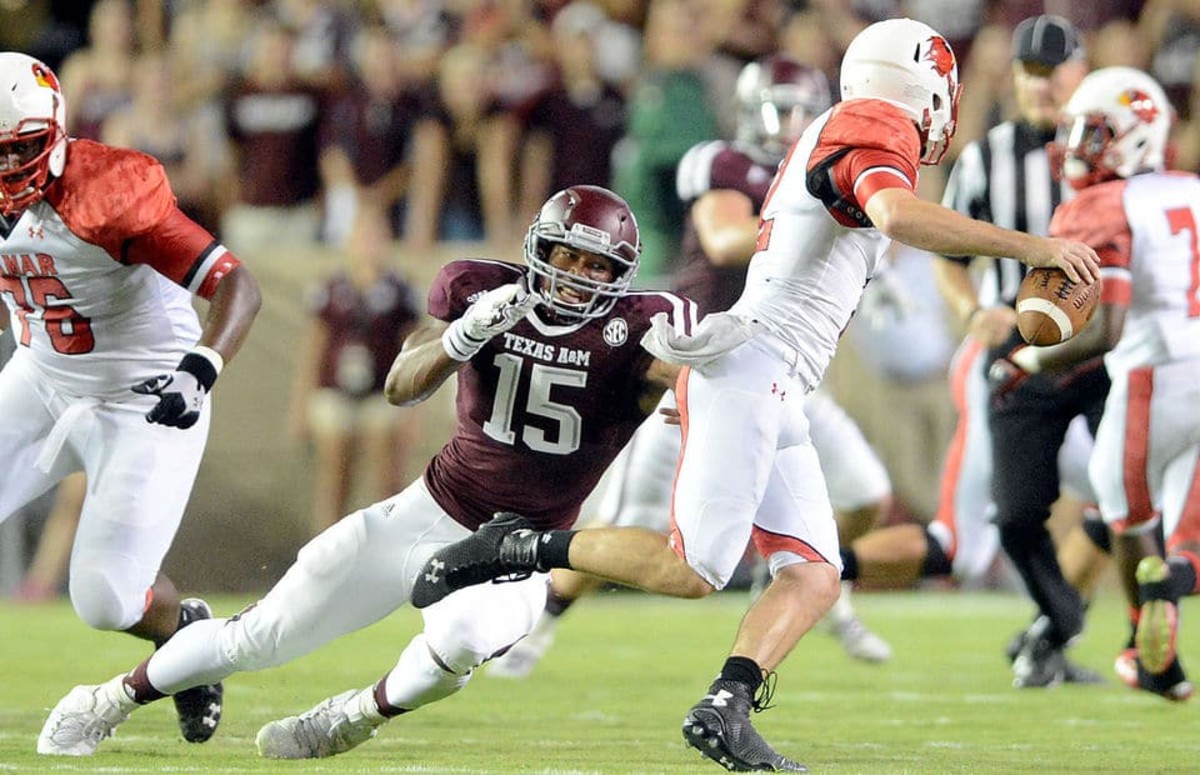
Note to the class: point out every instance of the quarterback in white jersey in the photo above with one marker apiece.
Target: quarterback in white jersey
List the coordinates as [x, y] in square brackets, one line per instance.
[723, 186]
[98, 267]
[748, 469]
[1144, 224]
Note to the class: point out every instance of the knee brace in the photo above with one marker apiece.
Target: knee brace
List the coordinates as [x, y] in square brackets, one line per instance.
[104, 601]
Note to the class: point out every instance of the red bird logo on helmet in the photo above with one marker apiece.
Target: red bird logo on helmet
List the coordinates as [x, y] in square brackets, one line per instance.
[1140, 103]
[940, 54]
[45, 77]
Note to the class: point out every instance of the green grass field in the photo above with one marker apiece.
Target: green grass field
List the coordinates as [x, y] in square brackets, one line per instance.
[611, 695]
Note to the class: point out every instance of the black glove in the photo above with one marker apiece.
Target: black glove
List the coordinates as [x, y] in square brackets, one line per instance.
[180, 393]
[1005, 376]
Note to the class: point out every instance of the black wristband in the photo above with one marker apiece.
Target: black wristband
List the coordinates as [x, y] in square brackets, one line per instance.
[201, 368]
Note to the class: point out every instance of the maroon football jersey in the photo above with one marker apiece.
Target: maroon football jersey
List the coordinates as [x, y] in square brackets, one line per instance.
[543, 408]
[707, 167]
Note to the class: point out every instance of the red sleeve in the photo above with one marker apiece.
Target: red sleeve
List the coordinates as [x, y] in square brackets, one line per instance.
[880, 144]
[1096, 217]
[121, 200]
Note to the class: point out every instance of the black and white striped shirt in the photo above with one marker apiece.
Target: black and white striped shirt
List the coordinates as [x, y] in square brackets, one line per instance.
[1005, 179]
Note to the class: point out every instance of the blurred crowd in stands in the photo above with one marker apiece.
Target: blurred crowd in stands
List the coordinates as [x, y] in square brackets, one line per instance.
[278, 118]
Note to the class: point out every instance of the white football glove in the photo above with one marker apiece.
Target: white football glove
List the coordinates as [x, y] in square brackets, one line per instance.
[493, 313]
[181, 393]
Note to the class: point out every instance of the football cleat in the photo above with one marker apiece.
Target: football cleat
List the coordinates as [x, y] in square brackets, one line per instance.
[1158, 621]
[1171, 684]
[1039, 663]
[83, 719]
[1126, 667]
[198, 708]
[504, 546]
[719, 728]
[520, 660]
[1073, 673]
[334, 726]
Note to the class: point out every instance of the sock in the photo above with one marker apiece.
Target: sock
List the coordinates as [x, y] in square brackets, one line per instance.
[849, 565]
[137, 686]
[744, 671]
[556, 606]
[1185, 578]
[937, 562]
[553, 548]
[380, 702]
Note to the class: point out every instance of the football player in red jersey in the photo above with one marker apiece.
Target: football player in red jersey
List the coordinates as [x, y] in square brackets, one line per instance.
[748, 468]
[723, 185]
[98, 267]
[1111, 147]
[551, 385]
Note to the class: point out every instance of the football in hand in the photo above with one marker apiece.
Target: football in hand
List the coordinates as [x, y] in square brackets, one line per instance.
[1051, 308]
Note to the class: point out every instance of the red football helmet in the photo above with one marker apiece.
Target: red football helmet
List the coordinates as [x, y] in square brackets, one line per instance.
[33, 138]
[778, 98]
[587, 218]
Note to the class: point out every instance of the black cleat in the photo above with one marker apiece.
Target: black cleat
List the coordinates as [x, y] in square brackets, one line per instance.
[1170, 684]
[489, 553]
[1039, 663]
[199, 708]
[719, 727]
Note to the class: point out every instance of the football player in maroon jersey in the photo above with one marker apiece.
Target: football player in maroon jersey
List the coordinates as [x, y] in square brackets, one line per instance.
[552, 382]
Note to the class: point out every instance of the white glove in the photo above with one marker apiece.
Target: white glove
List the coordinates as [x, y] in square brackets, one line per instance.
[492, 313]
[181, 393]
[714, 336]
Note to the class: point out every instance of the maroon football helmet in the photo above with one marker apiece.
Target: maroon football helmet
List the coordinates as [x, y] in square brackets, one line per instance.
[587, 218]
[778, 98]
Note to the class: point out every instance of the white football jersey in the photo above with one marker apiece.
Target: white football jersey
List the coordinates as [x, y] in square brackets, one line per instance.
[1147, 230]
[98, 276]
[1163, 321]
[812, 264]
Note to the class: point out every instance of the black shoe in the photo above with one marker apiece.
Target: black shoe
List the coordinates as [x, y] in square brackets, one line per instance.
[1171, 684]
[1039, 664]
[719, 727]
[482, 556]
[199, 708]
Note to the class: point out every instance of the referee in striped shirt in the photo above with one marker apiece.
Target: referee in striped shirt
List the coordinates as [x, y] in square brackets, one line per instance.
[1005, 178]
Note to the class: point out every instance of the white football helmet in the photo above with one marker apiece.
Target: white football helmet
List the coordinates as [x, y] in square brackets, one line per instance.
[910, 65]
[778, 98]
[33, 137]
[1115, 125]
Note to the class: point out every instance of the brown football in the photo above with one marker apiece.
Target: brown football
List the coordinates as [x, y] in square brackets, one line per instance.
[1051, 308]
